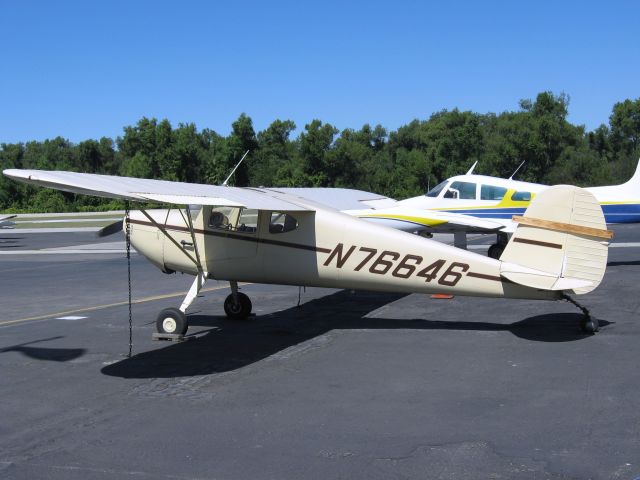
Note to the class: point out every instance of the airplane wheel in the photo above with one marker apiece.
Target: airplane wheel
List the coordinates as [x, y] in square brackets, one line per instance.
[590, 325]
[238, 310]
[495, 251]
[172, 321]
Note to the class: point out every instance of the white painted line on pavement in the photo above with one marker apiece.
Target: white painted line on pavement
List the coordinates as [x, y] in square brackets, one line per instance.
[59, 252]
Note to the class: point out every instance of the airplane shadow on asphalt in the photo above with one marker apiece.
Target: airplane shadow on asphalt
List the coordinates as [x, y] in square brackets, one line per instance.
[625, 263]
[230, 345]
[45, 353]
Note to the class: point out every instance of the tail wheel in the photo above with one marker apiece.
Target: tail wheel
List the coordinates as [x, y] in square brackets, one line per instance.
[237, 309]
[590, 325]
[172, 321]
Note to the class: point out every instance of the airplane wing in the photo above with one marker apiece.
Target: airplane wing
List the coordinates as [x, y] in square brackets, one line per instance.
[6, 217]
[381, 209]
[386, 211]
[340, 198]
[143, 190]
[433, 221]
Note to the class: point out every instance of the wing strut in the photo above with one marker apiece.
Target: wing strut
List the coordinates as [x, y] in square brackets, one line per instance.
[201, 277]
[171, 239]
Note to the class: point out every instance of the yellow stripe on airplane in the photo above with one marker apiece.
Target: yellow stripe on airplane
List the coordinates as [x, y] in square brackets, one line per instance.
[427, 222]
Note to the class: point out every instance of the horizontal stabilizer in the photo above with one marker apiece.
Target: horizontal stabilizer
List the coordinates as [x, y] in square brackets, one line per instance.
[539, 279]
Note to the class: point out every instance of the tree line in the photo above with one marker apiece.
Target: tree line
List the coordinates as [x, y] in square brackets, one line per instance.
[400, 163]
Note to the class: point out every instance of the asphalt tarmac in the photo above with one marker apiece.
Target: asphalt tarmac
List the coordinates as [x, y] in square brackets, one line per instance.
[346, 385]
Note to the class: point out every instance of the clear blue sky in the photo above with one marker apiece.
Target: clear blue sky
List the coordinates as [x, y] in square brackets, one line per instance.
[83, 69]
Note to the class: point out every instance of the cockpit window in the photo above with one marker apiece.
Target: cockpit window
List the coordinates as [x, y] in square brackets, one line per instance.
[462, 190]
[220, 218]
[435, 191]
[234, 219]
[491, 192]
[521, 196]
[282, 222]
[248, 220]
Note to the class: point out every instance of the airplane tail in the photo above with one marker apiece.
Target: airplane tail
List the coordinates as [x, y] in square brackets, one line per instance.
[635, 179]
[561, 242]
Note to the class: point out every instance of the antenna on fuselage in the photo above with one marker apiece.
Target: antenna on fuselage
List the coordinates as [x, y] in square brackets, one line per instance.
[224, 184]
[513, 174]
[472, 167]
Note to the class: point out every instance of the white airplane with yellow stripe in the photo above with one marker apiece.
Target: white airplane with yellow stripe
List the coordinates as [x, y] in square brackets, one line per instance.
[283, 237]
[482, 204]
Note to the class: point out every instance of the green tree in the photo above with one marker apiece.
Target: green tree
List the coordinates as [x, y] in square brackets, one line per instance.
[275, 154]
[214, 167]
[315, 143]
[625, 126]
[242, 138]
[140, 139]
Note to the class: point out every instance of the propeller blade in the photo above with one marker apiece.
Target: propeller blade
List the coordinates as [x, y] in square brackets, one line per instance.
[110, 229]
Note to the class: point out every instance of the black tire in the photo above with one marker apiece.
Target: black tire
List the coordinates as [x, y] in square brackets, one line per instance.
[495, 251]
[172, 321]
[590, 326]
[239, 310]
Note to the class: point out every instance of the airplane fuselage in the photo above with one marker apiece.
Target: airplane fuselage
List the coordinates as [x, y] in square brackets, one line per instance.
[325, 249]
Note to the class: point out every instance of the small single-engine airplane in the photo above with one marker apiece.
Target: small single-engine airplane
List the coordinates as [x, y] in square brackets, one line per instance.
[5, 221]
[282, 237]
[473, 203]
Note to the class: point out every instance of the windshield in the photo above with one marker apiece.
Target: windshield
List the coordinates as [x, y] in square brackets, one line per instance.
[435, 191]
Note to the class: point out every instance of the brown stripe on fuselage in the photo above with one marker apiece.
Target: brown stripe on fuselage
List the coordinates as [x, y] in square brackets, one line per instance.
[493, 278]
[486, 277]
[538, 243]
[235, 236]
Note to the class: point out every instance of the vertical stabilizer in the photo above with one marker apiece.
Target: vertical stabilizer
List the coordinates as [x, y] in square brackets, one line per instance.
[561, 242]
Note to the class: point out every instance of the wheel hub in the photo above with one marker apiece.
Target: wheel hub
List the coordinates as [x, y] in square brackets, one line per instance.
[169, 325]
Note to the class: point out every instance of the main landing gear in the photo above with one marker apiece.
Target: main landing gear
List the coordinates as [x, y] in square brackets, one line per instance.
[495, 250]
[238, 307]
[173, 321]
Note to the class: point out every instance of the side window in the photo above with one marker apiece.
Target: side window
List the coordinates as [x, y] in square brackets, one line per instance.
[221, 218]
[490, 192]
[462, 190]
[234, 219]
[282, 222]
[521, 196]
[248, 221]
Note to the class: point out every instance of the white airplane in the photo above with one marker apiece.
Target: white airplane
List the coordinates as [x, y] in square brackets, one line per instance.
[270, 236]
[5, 221]
[482, 204]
